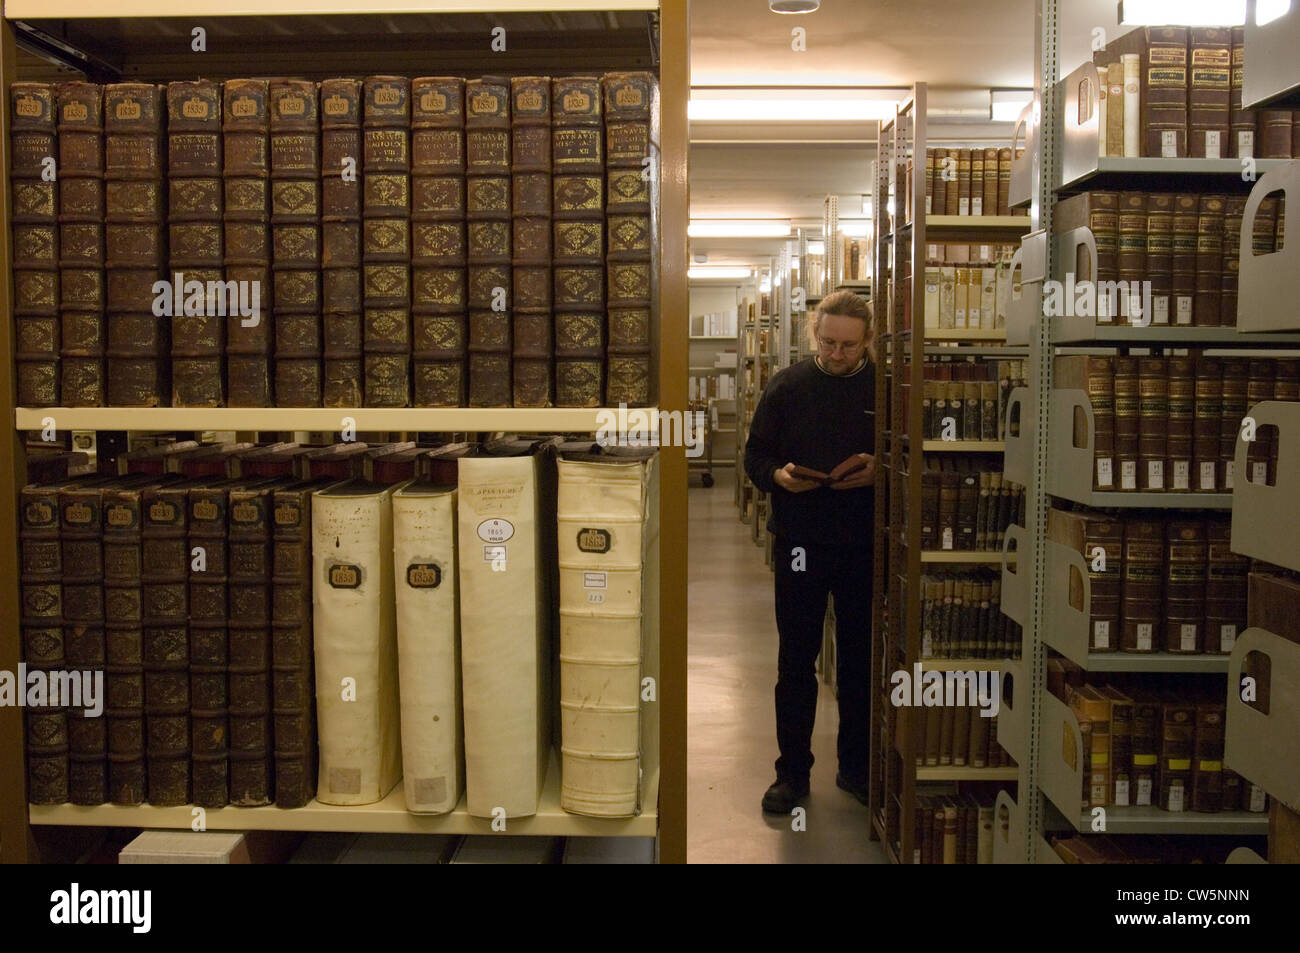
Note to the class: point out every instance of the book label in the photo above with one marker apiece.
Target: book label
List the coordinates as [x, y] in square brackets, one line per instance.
[947, 538]
[1246, 143]
[495, 530]
[1212, 147]
[1187, 637]
[1128, 475]
[1169, 144]
[1182, 475]
[1183, 309]
[1175, 796]
[1207, 476]
[1257, 797]
[963, 206]
[1101, 634]
[1121, 794]
[344, 576]
[1156, 474]
[1259, 472]
[593, 540]
[424, 575]
[595, 580]
[1227, 473]
[977, 205]
[1227, 637]
[1144, 632]
[1160, 309]
[1143, 792]
[1105, 473]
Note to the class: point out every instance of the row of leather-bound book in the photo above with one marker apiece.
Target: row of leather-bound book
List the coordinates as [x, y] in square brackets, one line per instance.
[280, 623]
[382, 241]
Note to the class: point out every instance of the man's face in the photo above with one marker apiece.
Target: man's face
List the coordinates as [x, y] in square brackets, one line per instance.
[841, 342]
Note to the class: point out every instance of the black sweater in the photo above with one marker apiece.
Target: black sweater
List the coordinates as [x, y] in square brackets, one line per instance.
[809, 417]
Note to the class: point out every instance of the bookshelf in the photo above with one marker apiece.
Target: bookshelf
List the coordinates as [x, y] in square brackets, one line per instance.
[318, 39]
[898, 309]
[1057, 431]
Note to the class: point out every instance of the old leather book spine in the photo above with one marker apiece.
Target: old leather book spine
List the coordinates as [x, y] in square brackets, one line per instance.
[1164, 103]
[439, 301]
[124, 643]
[967, 508]
[165, 563]
[1241, 122]
[341, 188]
[1186, 220]
[631, 103]
[194, 233]
[1177, 741]
[1205, 424]
[1099, 211]
[1143, 571]
[1179, 473]
[1209, 85]
[1004, 181]
[138, 347]
[41, 619]
[1100, 375]
[929, 181]
[1234, 206]
[1105, 583]
[1260, 386]
[533, 344]
[386, 241]
[1263, 239]
[292, 683]
[1126, 423]
[35, 234]
[1131, 254]
[1207, 763]
[1235, 376]
[949, 486]
[246, 217]
[209, 646]
[296, 242]
[1153, 423]
[1274, 134]
[964, 181]
[942, 179]
[989, 205]
[1185, 571]
[579, 208]
[1206, 308]
[1225, 587]
[1114, 132]
[488, 240]
[81, 244]
[1160, 255]
[952, 194]
[80, 543]
[249, 630]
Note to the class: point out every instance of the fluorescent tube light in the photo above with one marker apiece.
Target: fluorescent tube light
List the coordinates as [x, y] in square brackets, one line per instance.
[866, 206]
[1005, 105]
[742, 104]
[855, 228]
[817, 248]
[719, 271]
[737, 228]
[1182, 12]
[793, 6]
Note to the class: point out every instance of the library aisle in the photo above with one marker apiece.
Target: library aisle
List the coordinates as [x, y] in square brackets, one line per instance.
[732, 661]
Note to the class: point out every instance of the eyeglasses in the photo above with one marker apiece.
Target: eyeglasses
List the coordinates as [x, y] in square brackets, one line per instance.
[830, 347]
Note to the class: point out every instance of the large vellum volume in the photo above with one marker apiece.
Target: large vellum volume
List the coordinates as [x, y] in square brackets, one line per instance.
[604, 536]
[428, 647]
[1132, 106]
[355, 644]
[505, 634]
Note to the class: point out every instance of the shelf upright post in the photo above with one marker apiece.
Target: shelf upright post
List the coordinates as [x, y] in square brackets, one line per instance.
[16, 844]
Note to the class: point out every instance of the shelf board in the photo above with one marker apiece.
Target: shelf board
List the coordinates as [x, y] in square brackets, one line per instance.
[1154, 820]
[76, 9]
[1162, 334]
[964, 556]
[1113, 169]
[522, 419]
[386, 816]
[954, 334]
[966, 773]
[962, 664]
[1162, 501]
[975, 228]
[1156, 662]
[714, 337]
[963, 446]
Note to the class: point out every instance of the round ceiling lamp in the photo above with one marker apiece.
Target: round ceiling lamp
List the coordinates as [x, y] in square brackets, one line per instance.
[793, 6]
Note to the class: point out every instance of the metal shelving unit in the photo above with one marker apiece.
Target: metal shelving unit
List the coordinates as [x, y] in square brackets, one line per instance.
[318, 38]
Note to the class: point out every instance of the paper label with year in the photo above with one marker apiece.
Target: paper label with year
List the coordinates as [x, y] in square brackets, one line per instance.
[1182, 475]
[1143, 793]
[1227, 637]
[1105, 473]
[1207, 476]
[1187, 637]
[1144, 630]
[1121, 794]
[1128, 474]
[1101, 634]
[1175, 797]
[1156, 474]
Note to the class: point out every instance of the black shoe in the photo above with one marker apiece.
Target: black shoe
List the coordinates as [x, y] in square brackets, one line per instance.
[783, 795]
[858, 791]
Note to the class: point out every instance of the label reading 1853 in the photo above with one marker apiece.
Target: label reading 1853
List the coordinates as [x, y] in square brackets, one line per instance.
[593, 540]
[344, 576]
[423, 575]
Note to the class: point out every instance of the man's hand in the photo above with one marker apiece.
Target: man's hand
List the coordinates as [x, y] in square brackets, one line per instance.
[858, 478]
[786, 479]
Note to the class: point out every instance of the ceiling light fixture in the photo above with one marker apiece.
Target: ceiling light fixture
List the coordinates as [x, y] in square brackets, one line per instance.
[738, 228]
[793, 104]
[793, 6]
[855, 228]
[1006, 105]
[719, 271]
[1182, 12]
[817, 248]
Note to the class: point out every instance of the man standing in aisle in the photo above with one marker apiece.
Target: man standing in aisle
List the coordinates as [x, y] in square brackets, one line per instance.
[819, 414]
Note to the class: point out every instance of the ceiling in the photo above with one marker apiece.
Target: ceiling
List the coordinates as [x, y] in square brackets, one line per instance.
[960, 49]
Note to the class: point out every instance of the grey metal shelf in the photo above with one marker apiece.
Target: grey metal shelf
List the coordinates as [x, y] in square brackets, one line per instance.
[1266, 748]
[1272, 75]
[1265, 519]
[1008, 830]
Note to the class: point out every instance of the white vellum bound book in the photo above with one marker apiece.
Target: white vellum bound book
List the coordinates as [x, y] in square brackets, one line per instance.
[355, 643]
[428, 646]
[505, 628]
[604, 513]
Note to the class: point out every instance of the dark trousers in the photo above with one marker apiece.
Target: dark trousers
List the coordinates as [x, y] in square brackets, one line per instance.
[845, 573]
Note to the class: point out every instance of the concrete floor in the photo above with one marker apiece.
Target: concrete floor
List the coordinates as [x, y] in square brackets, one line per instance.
[731, 736]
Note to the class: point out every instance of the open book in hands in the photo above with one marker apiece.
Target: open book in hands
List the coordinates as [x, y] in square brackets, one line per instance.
[845, 469]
